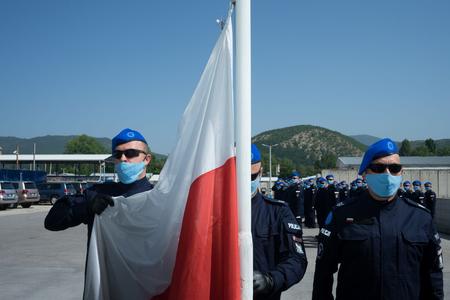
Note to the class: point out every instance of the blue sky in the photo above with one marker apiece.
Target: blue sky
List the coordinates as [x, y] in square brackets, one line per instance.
[94, 67]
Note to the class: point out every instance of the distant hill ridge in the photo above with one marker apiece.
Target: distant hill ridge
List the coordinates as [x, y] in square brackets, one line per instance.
[306, 144]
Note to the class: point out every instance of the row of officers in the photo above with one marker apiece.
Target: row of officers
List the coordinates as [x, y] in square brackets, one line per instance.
[317, 197]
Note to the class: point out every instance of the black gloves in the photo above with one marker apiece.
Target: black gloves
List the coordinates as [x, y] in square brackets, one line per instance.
[99, 202]
[262, 283]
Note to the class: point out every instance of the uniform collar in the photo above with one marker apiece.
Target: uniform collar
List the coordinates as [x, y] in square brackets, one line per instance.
[381, 204]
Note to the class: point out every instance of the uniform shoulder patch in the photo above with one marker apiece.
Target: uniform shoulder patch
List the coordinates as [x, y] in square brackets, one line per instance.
[415, 204]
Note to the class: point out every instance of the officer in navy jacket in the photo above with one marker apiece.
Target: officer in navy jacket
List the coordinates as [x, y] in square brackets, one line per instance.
[279, 259]
[384, 246]
[430, 198]
[131, 157]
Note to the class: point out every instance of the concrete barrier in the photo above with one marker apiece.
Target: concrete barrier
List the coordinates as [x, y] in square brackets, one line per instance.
[442, 215]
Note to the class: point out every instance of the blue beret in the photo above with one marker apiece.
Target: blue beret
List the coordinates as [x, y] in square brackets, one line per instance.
[256, 156]
[321, 179]
[377, 150]
[125, 136]
[295, 173]
[427, 183]
[417, 182]
[330, 176]
[406, 182]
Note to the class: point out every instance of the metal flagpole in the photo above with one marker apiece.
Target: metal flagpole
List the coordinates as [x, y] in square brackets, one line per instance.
[243, 140]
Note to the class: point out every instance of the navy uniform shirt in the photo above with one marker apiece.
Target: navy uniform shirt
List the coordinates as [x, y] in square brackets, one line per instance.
[418, 196]
[295, 200]
[430, 201]
[323, 202]
[71, 211]
[277, 244]
[384, 250]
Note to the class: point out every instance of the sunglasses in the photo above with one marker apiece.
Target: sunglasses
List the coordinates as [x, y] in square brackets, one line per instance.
[380, 168]
[129, 153]
[254, 176]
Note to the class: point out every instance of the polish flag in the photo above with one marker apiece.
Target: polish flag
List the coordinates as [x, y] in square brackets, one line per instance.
[179, 240]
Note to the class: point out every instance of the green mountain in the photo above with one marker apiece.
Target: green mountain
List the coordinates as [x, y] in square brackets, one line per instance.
[306, 148]
[49, 144]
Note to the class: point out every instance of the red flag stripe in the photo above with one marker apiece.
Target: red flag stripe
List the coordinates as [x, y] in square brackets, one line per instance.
[207, 262]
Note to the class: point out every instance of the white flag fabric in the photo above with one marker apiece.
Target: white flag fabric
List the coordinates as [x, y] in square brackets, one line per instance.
[179, 240]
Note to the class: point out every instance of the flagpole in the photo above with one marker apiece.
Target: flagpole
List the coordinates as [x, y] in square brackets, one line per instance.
[243, 140]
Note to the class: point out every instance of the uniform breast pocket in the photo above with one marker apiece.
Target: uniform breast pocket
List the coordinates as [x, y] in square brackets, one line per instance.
[413, 245]
[355, 240]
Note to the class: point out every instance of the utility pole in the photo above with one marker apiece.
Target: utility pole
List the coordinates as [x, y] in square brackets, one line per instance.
[270, 162]
[34, 156]
[16, 152]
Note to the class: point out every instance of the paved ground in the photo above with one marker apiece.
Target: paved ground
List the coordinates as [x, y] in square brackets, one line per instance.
[39, 264]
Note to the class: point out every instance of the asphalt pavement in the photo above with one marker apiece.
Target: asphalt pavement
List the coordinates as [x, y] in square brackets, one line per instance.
[39, 264]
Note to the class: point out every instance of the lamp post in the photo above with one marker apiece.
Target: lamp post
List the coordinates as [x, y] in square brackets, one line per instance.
[270, 162]
[16, 152]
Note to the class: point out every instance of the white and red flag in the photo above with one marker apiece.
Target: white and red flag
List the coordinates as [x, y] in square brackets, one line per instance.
[179, 240]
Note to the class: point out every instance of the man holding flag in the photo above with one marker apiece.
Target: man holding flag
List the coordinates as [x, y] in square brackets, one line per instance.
[279, 259]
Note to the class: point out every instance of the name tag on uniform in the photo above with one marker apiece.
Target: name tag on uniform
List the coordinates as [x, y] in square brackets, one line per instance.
[294, 226]
[325, 232]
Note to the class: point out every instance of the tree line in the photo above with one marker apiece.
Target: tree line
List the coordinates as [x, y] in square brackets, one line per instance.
[429, 148]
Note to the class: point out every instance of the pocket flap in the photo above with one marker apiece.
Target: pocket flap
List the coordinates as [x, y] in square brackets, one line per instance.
[415, 237]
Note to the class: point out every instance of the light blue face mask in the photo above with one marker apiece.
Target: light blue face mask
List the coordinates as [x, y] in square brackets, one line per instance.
[416, 188]
[129, 172]
[320, 185]
[428, 188]
[255, 185]
[383, 185]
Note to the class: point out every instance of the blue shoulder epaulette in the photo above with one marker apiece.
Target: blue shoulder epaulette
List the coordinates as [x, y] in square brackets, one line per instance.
[415, 204]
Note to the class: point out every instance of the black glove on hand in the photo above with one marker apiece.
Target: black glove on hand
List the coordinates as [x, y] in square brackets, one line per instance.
[100, 202]
[262, 283]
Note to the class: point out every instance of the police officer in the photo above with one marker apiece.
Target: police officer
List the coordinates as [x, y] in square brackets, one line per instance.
[279, 189]
[386, 246]
[359, 188]
[407, 191]
[309, 194]
[323, 202]
[344, 192]
[279, 259]
[430, 198]
[332, 189]
[295, 197]
[131, 157]
[418, 196]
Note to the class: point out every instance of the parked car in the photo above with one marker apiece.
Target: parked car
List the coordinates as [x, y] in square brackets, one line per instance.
[27, 193]
[79, 187]
[8, 194]
[52, 191]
